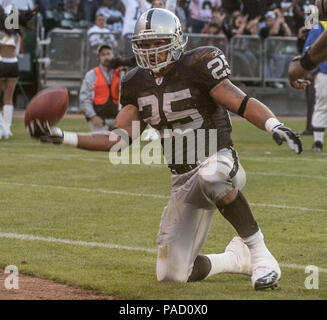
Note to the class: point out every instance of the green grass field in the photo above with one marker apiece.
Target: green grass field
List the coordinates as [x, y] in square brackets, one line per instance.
[64, 193]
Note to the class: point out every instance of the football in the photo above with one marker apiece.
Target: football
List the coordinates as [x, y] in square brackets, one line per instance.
[47, 105]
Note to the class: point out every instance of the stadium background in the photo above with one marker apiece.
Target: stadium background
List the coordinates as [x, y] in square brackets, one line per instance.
[57, 53]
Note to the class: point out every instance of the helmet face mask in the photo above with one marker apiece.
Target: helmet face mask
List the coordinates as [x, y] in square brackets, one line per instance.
[153, 25]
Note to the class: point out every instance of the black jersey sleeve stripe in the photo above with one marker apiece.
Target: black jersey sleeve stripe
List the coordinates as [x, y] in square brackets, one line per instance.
[148, 20]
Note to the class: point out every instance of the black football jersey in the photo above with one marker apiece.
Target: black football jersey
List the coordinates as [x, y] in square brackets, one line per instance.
[191, 125]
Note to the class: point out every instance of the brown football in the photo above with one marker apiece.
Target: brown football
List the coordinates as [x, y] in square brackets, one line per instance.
[47, 105]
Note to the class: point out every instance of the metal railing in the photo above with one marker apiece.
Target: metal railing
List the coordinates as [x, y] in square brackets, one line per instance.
[69, 54]
[278, 53]
[198, 40]
[94, 40]
[245, 58]
[66, 51]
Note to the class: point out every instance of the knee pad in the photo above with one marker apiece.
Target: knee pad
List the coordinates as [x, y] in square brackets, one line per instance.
[214, 178]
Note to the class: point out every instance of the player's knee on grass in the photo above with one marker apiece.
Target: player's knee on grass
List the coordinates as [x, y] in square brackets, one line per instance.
[173, 271]
[169, 269]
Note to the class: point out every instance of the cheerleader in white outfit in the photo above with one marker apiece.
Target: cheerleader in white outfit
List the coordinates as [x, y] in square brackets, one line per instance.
[9, 50]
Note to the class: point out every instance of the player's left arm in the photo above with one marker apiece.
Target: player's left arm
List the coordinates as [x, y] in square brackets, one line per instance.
[235, 100]
[231, 97]
[301, 65]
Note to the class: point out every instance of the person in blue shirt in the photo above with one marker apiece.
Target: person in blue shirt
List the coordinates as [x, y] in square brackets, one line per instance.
[319, 117]
[301, 65]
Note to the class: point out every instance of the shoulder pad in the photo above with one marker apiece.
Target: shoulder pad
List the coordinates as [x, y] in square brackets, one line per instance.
[202, 54]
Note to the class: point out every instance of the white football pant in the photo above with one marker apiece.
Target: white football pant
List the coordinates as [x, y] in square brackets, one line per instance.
[319, 117]
[186, 220]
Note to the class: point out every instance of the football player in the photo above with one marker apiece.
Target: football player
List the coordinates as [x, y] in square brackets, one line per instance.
[177, 92]
[302, 65]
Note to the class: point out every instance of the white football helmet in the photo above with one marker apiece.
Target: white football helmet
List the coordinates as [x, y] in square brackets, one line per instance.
[153, 24]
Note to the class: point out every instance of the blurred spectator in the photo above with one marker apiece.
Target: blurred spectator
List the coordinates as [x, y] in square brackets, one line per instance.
[201, 13]
[276, 62]
[286, 7]
[158, 4]
[216, 27]
[71, 6]
[242, 54]
[254, 8]
[212, 28]
[185, 5]
[87, 9]
[299, 15]
[45, 5]
[241, 26]
[271, 5]
[231, 5]
[5, 3]
[133, 9]
[275, 25]
[174, 6]
[99, 33]
[113, 16]
[219, 16]
[180, 13]
[253, 26]
[50, 12]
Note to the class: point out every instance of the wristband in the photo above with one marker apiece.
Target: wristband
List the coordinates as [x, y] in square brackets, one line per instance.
[70, 139]
[272, 123]
[306, 61]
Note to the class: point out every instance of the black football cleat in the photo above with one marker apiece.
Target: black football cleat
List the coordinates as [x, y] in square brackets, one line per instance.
[269, 280]
[317, 146]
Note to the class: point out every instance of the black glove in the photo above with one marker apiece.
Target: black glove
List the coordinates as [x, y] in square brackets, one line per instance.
[281, 133]
[44, 132]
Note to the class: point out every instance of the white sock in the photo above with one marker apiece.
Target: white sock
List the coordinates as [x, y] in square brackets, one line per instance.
[318, 136]
[8, 110]
[257, 247]
[3, 129]
[222, 262]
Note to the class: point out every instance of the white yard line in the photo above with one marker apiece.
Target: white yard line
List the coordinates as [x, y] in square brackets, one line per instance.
[245, 158]
[265, 159]
[289, 175]
[280, 206]
[86, 190]
[29, 237]
[146, 195]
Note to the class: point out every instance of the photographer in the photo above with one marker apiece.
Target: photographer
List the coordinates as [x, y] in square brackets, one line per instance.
[99, 95]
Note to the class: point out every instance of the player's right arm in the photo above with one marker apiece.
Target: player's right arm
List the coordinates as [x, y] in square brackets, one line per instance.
[102, 141]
